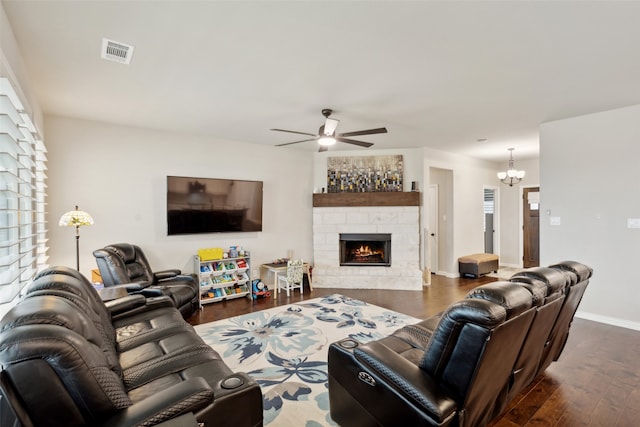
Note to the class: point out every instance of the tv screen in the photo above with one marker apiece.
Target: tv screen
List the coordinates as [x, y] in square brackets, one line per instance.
[211, 205]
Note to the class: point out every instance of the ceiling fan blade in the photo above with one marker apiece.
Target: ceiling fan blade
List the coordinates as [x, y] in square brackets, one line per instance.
[294, 131]
[364, 132]
[295, 142]
[323, 148]
[354, 142]
[330, 126]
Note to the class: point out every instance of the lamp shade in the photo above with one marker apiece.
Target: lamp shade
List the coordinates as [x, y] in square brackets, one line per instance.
[75, 218]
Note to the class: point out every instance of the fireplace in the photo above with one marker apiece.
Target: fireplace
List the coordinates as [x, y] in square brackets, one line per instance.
[370, 249]
[401, 222]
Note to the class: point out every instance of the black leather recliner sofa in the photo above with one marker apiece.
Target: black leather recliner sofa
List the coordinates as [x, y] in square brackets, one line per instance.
[124, 263]
[69, 359]
[462, 367]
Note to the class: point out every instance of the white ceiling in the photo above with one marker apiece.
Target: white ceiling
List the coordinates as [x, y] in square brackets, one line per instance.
[436, 74]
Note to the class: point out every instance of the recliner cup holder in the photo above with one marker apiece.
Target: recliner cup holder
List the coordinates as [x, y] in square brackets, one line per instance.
[349, 344]
[232, 382]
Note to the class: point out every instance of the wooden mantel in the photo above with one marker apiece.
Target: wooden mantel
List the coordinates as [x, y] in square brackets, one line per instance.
[327, 200]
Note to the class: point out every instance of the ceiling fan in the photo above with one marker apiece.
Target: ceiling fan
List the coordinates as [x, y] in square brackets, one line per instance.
[327, 135]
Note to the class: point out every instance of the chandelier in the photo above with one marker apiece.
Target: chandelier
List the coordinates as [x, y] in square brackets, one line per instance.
[511, 176]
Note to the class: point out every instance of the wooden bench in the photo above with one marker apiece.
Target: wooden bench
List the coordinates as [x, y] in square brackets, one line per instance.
[477, 264]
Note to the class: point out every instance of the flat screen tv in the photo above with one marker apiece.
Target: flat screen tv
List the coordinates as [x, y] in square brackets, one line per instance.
[211, 205]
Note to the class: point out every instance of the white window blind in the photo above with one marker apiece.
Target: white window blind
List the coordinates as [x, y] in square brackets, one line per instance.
[23, 231]
[489, 198]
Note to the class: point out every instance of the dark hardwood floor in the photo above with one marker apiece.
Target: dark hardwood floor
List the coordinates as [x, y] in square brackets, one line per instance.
[596, 382]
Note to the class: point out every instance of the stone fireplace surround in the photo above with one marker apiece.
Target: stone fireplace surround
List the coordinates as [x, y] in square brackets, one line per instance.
[402, 222]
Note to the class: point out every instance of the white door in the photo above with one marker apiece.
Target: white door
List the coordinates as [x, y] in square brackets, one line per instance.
[432, 228]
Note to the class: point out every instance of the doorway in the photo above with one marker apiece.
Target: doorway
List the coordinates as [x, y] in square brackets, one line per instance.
[531, 227]
[431, 232]
[440, 222]
[491, 221]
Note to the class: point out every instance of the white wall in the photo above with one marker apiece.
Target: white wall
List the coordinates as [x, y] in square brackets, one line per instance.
[411, 158]
[118, 175]
[590, 179]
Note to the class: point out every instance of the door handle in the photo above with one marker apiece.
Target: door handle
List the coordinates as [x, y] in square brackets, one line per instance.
[433, 234]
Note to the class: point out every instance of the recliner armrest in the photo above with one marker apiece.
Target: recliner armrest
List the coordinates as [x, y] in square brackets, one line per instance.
[127, 303]
[414, 383]
[130, 287]
[187, 396]
[134, 304]
[166, 274]
[184, 420]
[135, 288]
[179, 279]
[150, 292]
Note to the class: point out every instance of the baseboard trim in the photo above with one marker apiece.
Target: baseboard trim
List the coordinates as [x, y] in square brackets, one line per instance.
[622, 323]
[511, 265]
[447, 274]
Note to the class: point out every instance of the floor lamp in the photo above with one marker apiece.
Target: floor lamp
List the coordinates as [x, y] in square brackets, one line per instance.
[76, 219]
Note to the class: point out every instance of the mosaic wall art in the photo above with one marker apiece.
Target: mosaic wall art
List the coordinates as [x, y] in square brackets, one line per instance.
[362, 174]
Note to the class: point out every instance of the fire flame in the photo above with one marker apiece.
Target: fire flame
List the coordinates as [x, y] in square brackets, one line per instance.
[365, 251]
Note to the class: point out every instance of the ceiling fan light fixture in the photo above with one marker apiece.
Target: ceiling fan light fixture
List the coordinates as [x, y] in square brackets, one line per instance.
[327, 135]
[330, 126]
[326, 141]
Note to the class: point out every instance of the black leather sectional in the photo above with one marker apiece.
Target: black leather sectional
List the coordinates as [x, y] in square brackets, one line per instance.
[126, 264]
[69, 359]
[462, 367]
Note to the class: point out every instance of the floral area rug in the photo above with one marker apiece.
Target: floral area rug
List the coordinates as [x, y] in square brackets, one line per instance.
[285, 350]
[505, 273]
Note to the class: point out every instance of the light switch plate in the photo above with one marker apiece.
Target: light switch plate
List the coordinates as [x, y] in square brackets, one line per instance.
[633, 222]
[554, 220]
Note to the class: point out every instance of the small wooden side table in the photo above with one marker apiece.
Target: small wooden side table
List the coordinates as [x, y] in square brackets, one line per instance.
[282, 267]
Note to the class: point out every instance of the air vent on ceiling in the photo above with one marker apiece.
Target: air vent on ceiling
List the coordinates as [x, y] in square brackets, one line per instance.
[116, 51]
